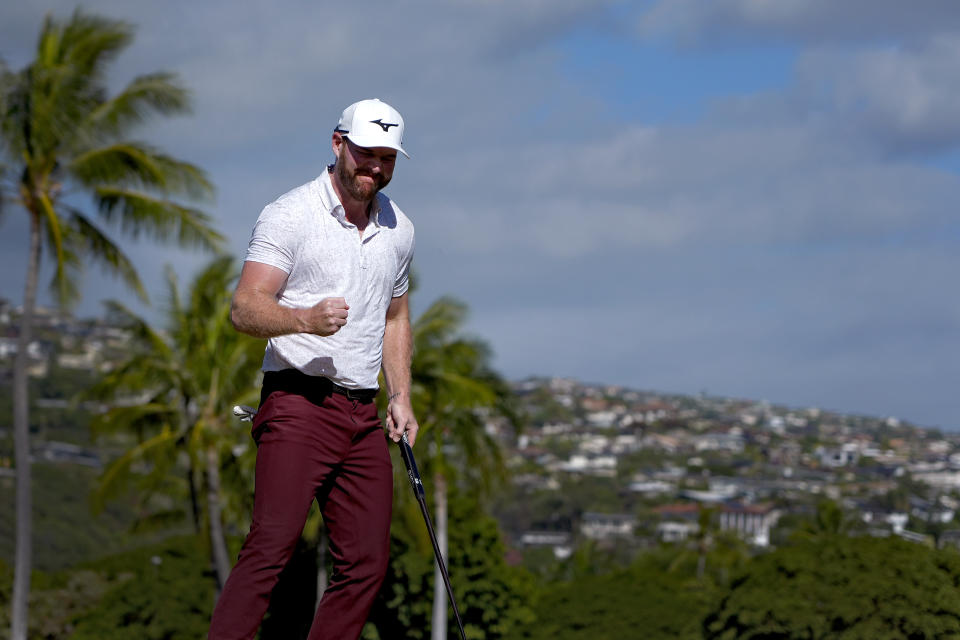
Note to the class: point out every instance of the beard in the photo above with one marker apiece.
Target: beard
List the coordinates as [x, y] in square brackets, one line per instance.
[355, 186]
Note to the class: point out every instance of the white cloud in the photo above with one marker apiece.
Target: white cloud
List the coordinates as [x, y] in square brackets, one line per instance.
[794, 326]
[739, 22]
[779, 245]
[685, 187]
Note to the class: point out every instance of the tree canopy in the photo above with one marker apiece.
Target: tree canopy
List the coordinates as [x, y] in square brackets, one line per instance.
[849, 588]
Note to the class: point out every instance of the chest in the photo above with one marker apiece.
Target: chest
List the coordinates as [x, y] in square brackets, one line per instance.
[336, 257]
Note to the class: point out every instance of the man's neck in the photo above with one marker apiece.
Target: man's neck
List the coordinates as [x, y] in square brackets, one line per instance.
[357, 212]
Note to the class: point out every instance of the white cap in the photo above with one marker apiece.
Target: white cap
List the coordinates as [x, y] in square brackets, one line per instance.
[371, 123]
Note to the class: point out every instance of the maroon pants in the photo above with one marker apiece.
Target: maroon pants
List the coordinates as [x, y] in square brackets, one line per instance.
[313, 444]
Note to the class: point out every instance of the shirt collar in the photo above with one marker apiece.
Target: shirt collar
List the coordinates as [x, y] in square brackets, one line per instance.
[331, 202]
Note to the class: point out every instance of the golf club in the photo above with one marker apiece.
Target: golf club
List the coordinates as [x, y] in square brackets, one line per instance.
[246, 414]
[407, 453]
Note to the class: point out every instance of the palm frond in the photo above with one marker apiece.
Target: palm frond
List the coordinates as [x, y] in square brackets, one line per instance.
[139, 327]
[65, 82]
[140, 213]
[85, 42]
[56, 117]
[148, 94]
[100, 248]
[135, 418]
[439, 323]
[55, 235]
[160, 520]
[16, 107]
[137, 165]
[454, 391]
[117, 474]
[195, 371]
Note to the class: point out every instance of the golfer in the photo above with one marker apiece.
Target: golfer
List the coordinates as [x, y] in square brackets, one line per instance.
[325, 279]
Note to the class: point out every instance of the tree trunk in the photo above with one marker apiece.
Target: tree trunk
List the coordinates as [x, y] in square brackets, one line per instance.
[21, 446]
[439, 623]
[218, 544]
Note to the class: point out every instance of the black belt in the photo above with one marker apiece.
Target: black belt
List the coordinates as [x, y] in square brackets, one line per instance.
[295, 381]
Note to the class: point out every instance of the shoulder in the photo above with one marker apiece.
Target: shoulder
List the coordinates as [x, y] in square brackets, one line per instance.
[298, 200]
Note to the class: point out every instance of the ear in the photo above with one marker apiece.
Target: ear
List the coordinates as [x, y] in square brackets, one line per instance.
[337, 141]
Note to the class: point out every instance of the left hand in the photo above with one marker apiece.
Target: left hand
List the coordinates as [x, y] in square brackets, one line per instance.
[400, 419]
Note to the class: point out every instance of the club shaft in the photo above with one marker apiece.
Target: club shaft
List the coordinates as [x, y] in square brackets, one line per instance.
[414, 474]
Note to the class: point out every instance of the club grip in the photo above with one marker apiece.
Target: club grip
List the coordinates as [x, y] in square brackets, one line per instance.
[406, 452]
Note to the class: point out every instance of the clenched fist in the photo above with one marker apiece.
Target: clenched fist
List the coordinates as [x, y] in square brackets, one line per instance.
[326, 317]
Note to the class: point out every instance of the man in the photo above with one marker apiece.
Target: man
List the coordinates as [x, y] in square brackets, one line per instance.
[325, 279]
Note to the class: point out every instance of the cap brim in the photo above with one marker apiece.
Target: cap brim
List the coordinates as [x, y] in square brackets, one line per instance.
[372, 143]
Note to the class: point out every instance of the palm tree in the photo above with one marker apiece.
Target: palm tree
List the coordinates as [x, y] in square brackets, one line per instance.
[454, 393]
[62, 134]
[188, 378]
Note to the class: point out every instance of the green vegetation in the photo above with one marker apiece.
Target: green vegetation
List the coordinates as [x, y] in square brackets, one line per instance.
[454, 392]
[156, 591]
[173, 501]
[863, 588]
[66, 532]
[62, 133]
[644, 601]
[188, 379]
[493, 598]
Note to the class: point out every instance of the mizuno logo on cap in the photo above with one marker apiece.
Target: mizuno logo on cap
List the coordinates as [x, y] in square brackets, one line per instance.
[384, 125]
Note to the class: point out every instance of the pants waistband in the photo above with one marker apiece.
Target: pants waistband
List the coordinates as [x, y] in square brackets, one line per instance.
[295, 381]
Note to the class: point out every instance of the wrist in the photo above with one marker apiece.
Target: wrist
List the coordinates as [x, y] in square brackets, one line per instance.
[299, 322]
[398, 395]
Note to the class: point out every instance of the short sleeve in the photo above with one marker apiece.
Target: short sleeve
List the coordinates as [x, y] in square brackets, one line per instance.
[274, 240]
[402, 282]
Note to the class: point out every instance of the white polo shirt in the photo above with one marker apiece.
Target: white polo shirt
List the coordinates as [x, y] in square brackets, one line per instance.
[305, 233]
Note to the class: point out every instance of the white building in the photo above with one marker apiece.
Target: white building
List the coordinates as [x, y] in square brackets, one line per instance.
[604, 526]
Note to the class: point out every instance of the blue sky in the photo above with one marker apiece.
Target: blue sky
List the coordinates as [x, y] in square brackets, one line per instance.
[754, 199]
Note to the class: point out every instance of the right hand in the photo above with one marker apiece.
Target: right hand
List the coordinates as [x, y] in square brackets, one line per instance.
[326, 317]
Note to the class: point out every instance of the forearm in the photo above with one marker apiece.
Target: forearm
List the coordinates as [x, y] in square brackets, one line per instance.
[257, 313]
[397, 357]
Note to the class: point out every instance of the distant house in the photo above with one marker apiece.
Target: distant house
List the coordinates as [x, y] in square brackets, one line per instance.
[732, 442]
[560, 542]
[66, 452]
[940, 479]
[602, 419]
[606, 526]
[651, 487]
[678, 521]
[896, 520]
[660, 441]
[837, 457]
[676, 531]
[625, 443]
[930, 511]
[598, 465]
[752, 522]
